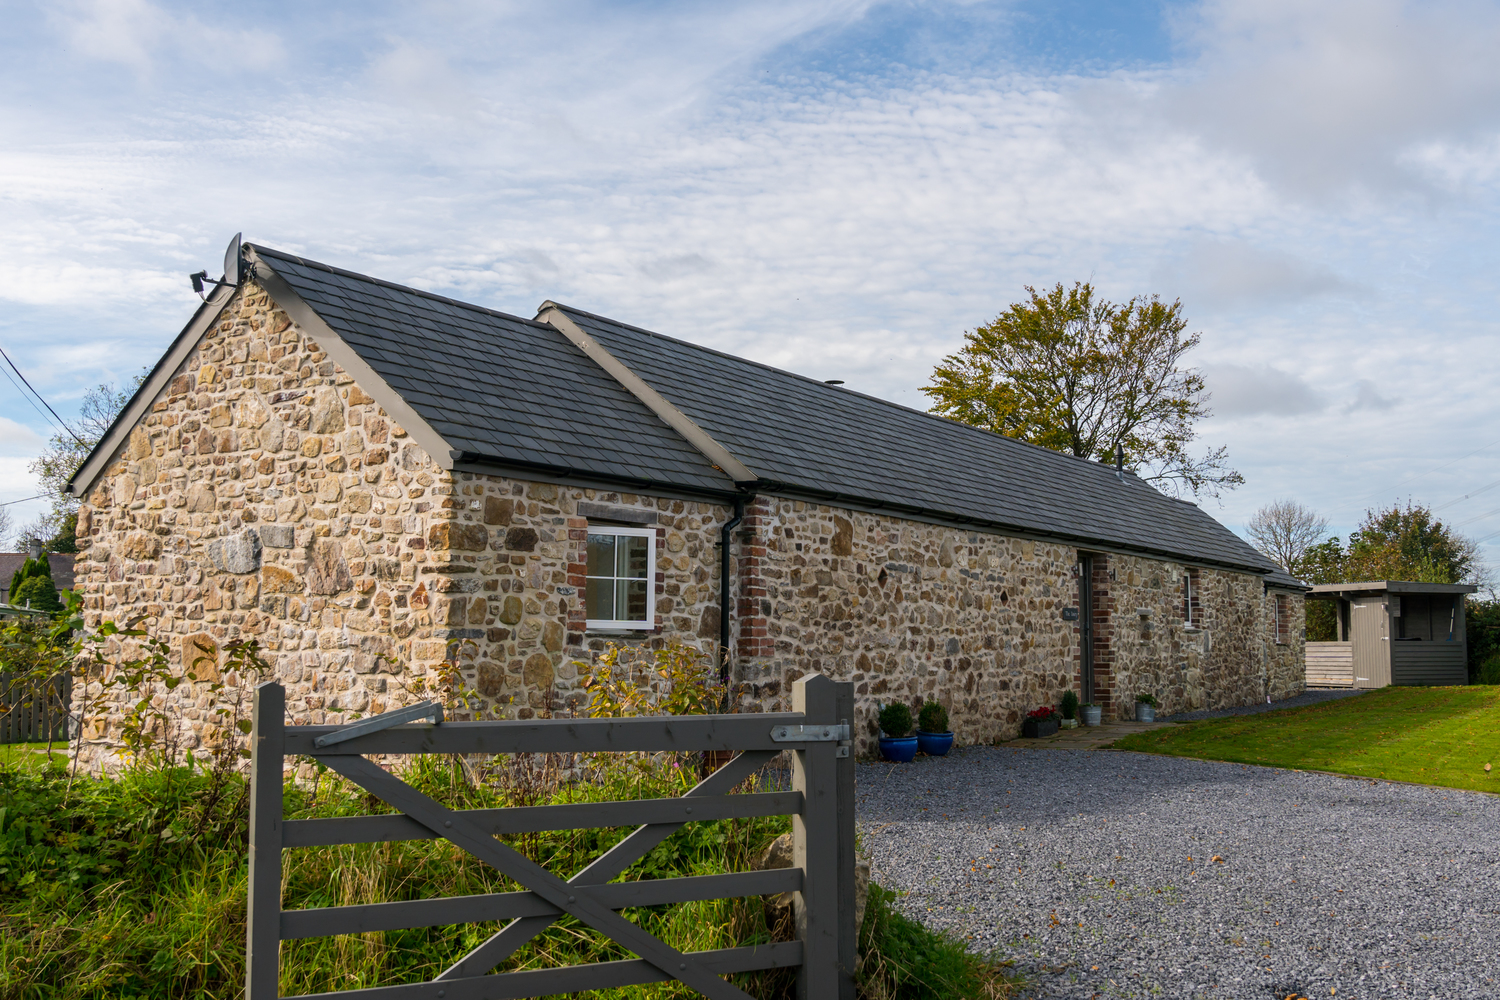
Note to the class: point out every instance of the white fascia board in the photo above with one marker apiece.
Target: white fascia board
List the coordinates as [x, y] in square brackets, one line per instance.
[347, 358]
[140, 404]
[716, 453]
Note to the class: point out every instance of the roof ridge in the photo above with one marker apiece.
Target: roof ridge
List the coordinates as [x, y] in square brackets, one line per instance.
[345, 272]
[949, 421]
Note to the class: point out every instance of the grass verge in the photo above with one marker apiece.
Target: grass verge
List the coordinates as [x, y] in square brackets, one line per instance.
[1435, 736]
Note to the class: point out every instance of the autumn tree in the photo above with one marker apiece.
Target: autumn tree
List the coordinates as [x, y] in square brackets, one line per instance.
[1284, 530]
[1075, 373]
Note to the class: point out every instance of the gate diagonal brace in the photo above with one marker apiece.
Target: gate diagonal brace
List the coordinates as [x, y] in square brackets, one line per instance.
[469, 837]
[385, 720]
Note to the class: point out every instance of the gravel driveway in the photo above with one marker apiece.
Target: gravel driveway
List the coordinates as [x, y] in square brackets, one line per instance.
[1112, 874]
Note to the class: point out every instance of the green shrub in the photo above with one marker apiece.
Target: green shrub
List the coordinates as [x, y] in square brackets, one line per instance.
[38, 593]
[1489, 670]
[933, 718]
[1069, 704]
[895, 719]
[1146, 699]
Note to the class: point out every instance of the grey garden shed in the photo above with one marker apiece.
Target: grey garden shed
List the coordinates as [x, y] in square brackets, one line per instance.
[1391, 632]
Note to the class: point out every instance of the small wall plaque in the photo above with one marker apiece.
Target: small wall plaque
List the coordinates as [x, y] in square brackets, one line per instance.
[1070, 614]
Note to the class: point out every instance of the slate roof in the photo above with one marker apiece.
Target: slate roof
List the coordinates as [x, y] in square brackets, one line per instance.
[833, 442]
[509, 389]
[518, 392]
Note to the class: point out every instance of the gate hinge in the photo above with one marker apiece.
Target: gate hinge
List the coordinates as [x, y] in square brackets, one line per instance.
[810, 734]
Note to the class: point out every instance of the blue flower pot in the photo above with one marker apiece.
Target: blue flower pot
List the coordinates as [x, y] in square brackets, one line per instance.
[934, 744]
[898, 748]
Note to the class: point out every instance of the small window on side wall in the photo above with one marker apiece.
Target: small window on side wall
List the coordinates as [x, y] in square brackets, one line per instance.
[621, 580]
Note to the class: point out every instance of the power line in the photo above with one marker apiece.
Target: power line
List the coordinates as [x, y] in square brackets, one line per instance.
[1418, 475]
[1478, 517]
[39, 496]
[39, 396]
[23, 394]
[1483, 489]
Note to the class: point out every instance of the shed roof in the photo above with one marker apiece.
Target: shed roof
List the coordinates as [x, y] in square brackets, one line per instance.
[1369, 587]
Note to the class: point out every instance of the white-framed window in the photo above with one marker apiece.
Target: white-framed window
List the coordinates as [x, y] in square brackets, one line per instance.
[620, 588]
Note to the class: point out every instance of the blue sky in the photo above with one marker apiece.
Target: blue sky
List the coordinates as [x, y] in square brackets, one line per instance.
[839, 188]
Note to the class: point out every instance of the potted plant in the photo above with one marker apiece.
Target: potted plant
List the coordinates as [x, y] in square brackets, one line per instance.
[895, 725]
[1069, 708]
[1042, 722]
[1092, 714]
[1145, 708]
[933, 735]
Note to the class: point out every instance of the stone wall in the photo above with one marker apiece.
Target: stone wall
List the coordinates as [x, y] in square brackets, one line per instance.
[267, 496]
[911, 611]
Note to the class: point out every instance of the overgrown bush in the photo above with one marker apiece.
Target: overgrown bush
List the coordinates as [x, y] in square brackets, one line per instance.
[933, 718]
[895, 719]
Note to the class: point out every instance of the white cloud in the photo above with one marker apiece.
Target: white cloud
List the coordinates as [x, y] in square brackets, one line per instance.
[1325, 96]
[1368, 397]
[1228, 274]
[1248, 390]
[18, 440]
[645, 164]
[138, 33]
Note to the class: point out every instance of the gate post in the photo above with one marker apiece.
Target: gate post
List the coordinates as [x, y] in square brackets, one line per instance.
[263, 906]
[822, 914]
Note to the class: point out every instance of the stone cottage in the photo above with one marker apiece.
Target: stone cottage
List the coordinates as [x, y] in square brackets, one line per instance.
[356, 474]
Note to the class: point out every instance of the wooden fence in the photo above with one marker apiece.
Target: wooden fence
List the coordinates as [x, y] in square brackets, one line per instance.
[32, 712]
[821, 804]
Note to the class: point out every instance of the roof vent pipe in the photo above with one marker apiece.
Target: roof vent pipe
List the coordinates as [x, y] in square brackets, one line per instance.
[1120, 462]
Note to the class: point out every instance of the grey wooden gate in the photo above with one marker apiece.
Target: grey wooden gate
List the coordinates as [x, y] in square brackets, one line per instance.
[32, 711]
[821, 804]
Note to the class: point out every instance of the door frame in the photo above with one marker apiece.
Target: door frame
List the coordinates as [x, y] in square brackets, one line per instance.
[1086, 628]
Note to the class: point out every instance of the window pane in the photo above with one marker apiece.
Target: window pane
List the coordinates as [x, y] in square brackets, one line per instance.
[632, 601]
[601, 556]
[630, 552]
[599, 599]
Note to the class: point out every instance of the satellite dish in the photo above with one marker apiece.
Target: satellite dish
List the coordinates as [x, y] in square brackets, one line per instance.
[233, 261]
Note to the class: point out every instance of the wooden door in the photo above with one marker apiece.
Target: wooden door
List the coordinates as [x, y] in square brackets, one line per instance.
[1370, 628]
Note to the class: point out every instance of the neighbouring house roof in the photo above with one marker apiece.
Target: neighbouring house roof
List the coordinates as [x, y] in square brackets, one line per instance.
[60, 564]
[1366, 587]
[480, 388]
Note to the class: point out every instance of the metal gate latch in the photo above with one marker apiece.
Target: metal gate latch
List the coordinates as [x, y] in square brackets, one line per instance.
[814, 734]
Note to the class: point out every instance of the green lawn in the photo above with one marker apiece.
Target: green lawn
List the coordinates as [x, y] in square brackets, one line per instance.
[32, 756]
[1437, 736]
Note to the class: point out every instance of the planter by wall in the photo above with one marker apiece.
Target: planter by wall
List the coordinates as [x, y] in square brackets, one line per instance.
[1069, 723]
[1037, 728]
[898, 748]
[1145, 712]
[1091, 714]
[934, 744]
